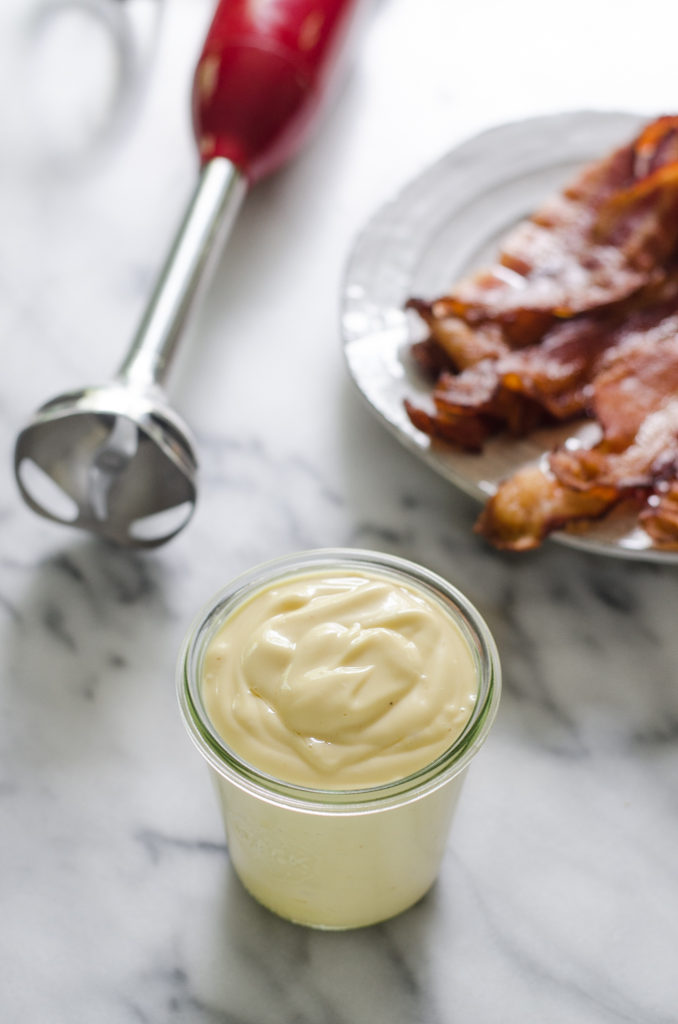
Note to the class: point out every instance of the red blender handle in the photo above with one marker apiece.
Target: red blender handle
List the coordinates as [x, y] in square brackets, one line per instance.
[262, 74]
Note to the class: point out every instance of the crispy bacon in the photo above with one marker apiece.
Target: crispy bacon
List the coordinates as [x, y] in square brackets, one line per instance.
[636, 403]
[596, 243]
[548, 382]
[636, 460]
[560, 372]
[467, 432]
[579, 315]
[638, 378]
[532, 503]
[460, 345]
[660, 518]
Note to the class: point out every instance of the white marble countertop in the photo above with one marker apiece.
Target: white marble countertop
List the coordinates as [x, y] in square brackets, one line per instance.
[558, 899]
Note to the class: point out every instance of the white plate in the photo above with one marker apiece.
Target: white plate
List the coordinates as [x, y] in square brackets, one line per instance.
[443, 224]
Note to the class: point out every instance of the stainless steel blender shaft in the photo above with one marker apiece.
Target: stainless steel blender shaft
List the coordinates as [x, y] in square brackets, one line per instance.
[206, 225]
[116, 459]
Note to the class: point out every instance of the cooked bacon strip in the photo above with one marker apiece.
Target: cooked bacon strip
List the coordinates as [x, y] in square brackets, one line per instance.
[555, 377]
[462, 345]
[640, 221]
[556, 374]
[467, 432]
[639, 391]
[656, 146]
[521, 389]
[636, 403]
[559, 372]
[431, 359]
[660, 519]
[478, 391]
[639, 466]
[531, 504]
[599, 241]
[637, 379]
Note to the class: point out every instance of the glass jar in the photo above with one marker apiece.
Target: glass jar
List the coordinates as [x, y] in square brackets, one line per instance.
[338, 858]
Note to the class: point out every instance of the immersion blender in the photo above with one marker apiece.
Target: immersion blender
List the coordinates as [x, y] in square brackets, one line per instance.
[116, 459]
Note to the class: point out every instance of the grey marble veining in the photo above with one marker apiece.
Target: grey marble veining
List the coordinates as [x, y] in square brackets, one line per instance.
[558, 899]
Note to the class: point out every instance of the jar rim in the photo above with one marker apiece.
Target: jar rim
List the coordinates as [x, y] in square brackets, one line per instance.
[453, 760]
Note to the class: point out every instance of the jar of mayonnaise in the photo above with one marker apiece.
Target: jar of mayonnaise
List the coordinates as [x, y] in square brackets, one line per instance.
[338, 697]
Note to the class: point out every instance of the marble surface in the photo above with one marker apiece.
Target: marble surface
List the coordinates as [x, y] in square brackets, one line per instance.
[558, 898]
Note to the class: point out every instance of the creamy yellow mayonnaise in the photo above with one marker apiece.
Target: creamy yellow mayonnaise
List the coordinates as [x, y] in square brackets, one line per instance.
[339, 680]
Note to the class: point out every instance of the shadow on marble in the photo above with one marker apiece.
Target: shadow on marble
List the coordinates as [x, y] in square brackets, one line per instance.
[246, 963]
[89, 625]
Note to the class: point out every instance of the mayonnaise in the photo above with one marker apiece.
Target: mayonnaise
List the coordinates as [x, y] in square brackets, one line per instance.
[338, 698]
[339, 680]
